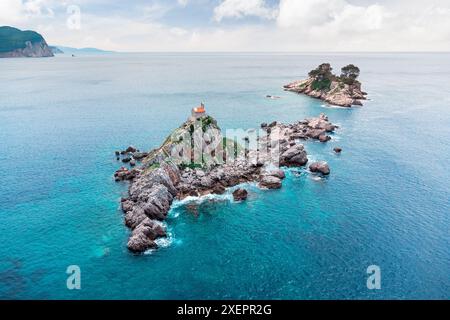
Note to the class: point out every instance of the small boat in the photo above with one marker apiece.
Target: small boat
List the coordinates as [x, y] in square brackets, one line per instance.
[272, 97]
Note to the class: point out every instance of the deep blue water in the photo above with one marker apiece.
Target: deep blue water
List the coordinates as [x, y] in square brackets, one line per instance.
[386, 202]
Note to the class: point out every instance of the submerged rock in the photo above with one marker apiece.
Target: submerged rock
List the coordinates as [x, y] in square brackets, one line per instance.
[125, 174]
[240, 194]
[324, 138]
[139, 155]
[130, 149]
[337, 150]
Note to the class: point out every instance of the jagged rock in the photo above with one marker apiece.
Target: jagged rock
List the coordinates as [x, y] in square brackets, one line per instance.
[294, 156]
[134, 217]
[139, 155]
[173, 172]
[324, 138]
[121, 174]
[130, 149]
[315, 133]
[132, 162]
[117, 153]
[321, 167]
[150, 228]
[158, 203]
[140, 242]
[337, 150]
[270, 182]
[127, 206]
[240, 194]
[156, 183]
[276, 173]
[126, 160]
[218, 189]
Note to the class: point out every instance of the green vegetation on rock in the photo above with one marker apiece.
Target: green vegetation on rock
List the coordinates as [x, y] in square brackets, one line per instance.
[349, 74]
[12, 39]
[323, 76]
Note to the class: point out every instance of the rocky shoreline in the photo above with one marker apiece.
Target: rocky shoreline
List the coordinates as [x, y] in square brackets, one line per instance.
[159, 180]
[343, 91]
[15, 43]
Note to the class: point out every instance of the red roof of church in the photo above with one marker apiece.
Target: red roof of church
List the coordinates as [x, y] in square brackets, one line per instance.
[200, 109]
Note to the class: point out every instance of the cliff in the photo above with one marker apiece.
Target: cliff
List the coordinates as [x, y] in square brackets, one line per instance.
[15, 43]
[196, 160]
[343, 90]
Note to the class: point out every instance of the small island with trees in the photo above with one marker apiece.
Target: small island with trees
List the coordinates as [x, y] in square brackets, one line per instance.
[343, 90]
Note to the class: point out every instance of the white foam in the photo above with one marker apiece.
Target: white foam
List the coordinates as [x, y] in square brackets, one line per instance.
[330, 106]
[164, 242]
[161, 243]
[315, 178]
[219, 197]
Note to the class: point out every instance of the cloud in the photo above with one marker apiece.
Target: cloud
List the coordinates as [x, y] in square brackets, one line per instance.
[338, 25]
[290, 25]
[329, 14]
[183, 3]
[241, 8]
[18, 11]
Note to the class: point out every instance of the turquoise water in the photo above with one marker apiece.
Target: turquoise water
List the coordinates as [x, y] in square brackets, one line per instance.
[386, 201]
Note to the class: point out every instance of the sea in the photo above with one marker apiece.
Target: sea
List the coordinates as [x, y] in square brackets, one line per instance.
[386, 202]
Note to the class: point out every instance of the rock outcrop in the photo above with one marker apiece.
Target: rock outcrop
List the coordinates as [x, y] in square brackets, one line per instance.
[344, 91]
[240, 194]
[171, 171]
[321, 167]
[270, 182]
[15, 43]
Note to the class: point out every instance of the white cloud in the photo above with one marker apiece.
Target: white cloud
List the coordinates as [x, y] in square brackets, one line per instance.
[242, 8]
[17, 11]
[183, 3]
[330, 14]
[155, 11]
[307, 25]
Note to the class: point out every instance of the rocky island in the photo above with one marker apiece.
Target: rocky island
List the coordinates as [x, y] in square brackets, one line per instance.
[343, 90]
[197, 159]
[15, 43]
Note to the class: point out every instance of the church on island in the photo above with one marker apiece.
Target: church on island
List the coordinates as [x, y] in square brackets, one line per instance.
[198, 112]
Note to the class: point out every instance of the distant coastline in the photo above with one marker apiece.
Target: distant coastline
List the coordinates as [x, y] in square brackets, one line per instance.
[80, 51]
[15, 43]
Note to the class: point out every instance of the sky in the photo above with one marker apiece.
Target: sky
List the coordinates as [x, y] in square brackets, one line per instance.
[236, 25]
